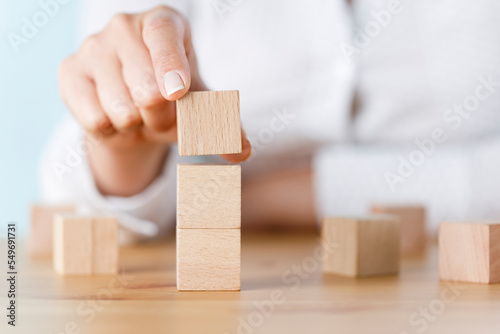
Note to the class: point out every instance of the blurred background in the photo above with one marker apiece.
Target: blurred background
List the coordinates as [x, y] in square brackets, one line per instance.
[365, 88]
[30, 103]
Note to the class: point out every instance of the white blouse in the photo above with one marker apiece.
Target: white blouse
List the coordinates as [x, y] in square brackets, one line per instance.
[397, 102]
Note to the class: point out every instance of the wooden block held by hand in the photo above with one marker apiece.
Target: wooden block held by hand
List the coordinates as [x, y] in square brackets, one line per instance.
[413, 226]
[85, 245]
[361, 247]
[209, 123]
[208, 196]
[208, 259]
[40, 231]
[469, 252]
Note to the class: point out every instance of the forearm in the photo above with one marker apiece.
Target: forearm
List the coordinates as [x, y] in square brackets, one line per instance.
[126, 171]
[283, 199]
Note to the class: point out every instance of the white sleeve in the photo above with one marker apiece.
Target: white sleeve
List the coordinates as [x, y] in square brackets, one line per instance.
[65, 177]
[454, 183]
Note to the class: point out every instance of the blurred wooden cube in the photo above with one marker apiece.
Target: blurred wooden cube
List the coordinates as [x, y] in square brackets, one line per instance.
[469, 252]
[85, 245]
[361, 246]
[72, 244]
[105, 245]
[208, 196]
[413, 226]
[208, 259]
[209, 123]
[40, 230]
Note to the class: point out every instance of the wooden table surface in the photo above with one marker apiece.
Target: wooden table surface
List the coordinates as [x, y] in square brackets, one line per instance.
[283, 290]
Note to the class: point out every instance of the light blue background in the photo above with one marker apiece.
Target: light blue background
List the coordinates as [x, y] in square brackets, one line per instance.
[30, 105]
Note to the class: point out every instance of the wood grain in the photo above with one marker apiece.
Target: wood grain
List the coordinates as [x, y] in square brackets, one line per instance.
[209, 123]
[413, 225]
[208, 259]
[469, 252]
[208, 196]
[40, 232]
[361, 246]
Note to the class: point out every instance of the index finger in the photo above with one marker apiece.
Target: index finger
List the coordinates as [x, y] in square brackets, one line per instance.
[164, 32]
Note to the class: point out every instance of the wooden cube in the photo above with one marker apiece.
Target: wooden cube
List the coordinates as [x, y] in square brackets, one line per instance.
[413, 227]
[208, 259]
[105, 245]
[72, 244]
[209, 123]
[85, 245]
[40, 231]
[469, 252]
[361, 246]
[208, 196]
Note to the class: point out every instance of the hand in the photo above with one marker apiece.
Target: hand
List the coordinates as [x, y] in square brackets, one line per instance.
[121, 85]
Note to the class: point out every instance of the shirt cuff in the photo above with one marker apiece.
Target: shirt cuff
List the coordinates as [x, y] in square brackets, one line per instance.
[65, 177]
[146, 215]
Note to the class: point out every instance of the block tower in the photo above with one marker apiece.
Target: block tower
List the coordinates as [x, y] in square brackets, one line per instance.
[208, 195]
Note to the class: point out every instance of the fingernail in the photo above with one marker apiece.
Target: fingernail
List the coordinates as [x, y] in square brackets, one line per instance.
[172, 82]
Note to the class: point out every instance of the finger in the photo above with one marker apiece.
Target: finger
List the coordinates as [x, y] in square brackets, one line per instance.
[164, 33]
[246, 151]
[197, 83]
[114, 95]
[157, 113]
[79, 94]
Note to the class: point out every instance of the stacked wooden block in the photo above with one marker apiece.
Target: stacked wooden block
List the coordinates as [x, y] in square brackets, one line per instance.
[361, 246]
[209, 196]
[209, 123]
